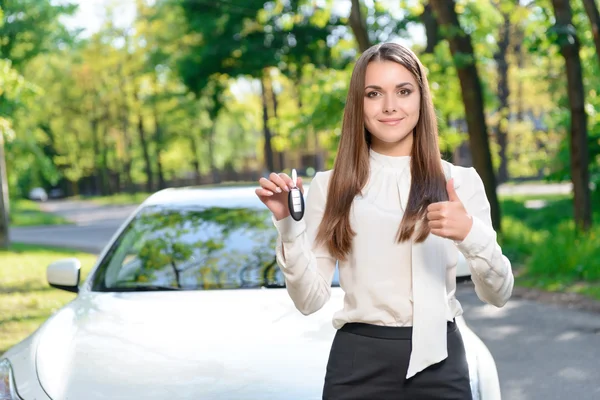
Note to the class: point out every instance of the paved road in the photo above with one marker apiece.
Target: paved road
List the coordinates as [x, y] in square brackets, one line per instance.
[543, 352]
[535, 188]
[92, 228]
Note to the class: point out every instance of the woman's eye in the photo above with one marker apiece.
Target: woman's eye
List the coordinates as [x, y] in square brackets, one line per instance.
[372, 94]
[404, 92]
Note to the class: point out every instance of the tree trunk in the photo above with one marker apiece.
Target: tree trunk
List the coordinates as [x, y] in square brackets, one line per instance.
[146, 153]
[211, 153]
[298, 86]
[569, 48]
[275, 108]
[214, 91]
[274, 99]
[268, 149]
[126, 156]
[503, 94]
[4, 208]
[460, 44]
[358, 24]
[124, 116]
[124, 112]
[518, 37]
[96, 150]
[104, 173]
[592, 11]
[145, 145]
[158, 137]
[431, 28]
[196, 159]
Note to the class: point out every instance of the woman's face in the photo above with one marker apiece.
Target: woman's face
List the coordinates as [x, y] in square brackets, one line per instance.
[391, 105]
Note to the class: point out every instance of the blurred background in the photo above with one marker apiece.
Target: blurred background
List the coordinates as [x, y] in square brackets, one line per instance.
[105, 102]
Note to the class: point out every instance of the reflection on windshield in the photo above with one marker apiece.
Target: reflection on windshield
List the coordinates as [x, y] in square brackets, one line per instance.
[192, 248]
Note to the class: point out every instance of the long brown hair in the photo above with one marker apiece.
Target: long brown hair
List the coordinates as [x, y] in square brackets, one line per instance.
[351, 168]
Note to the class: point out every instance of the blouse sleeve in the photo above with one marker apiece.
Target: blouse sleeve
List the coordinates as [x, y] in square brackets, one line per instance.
[491, 271]
[308, 268]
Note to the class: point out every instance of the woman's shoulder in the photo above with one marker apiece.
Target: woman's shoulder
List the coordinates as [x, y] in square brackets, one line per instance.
[463, 176]
[321, 181]
[322, 178]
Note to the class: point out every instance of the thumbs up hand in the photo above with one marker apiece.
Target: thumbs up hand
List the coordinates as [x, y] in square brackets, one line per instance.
[449, 219]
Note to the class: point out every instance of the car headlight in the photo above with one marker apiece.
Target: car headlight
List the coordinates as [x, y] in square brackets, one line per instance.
[8, 390]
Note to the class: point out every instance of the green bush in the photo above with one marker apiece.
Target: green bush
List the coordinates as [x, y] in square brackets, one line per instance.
[518, 240]
[564, 253]
[545, 249]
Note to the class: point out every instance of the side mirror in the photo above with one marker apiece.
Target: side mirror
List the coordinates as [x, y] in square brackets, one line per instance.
[64, 274]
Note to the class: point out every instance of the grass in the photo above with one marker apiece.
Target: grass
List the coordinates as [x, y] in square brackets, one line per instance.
[545, 248]
[26, 299]
[117, 199]
[28, 213]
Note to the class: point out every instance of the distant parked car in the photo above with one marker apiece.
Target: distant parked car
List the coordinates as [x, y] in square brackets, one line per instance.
[38, 194]
[187, 302]
[56, 193]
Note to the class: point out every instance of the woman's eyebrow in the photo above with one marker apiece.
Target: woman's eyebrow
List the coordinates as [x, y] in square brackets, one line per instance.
[397, 86]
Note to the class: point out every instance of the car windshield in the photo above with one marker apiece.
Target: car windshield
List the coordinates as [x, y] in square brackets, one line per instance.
[192, 248]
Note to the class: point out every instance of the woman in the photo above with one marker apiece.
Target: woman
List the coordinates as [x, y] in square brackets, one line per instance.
[394, 215]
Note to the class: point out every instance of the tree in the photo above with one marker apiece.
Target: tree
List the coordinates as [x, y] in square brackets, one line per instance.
[464, 60]
[358, 23]
[431, 28]
[592, 11]
[31, 27]
[4, 238]
[253, 40]
[28, 28]
[569, 48]
[503, 89]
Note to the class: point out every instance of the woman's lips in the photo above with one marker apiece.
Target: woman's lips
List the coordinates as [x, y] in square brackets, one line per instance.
[391, 121]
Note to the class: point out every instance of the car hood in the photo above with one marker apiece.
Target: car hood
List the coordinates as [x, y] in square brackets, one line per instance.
[219, 344]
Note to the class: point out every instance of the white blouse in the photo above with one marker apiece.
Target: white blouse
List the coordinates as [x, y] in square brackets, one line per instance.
[389, 283]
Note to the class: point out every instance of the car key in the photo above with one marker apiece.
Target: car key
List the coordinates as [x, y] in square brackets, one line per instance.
[296, 199]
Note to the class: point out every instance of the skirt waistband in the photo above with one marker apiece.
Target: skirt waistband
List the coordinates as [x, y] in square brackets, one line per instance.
[385, 332]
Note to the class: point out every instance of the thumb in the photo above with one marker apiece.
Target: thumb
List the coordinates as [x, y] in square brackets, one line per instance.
[299, 184]
[452, 196]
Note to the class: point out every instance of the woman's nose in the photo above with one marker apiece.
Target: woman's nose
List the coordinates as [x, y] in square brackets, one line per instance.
[389, 105]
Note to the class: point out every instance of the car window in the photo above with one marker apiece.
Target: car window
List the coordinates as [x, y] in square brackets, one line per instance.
[194, 249]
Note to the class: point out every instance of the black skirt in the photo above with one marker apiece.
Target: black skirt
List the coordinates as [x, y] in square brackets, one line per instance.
[369, 362]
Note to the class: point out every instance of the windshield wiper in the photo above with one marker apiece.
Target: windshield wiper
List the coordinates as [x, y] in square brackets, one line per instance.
[273, 285]
[144, 288]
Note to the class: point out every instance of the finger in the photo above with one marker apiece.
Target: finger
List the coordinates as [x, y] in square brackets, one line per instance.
[436, 224]
[436, 215]
[287, 179]
[260, 192]
[452, 196]
[269, 185]
[433, 207]
[279, 182]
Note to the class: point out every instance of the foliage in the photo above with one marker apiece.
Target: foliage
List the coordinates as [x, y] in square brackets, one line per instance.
[544, 240]
[28, 213]
[189, 71]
